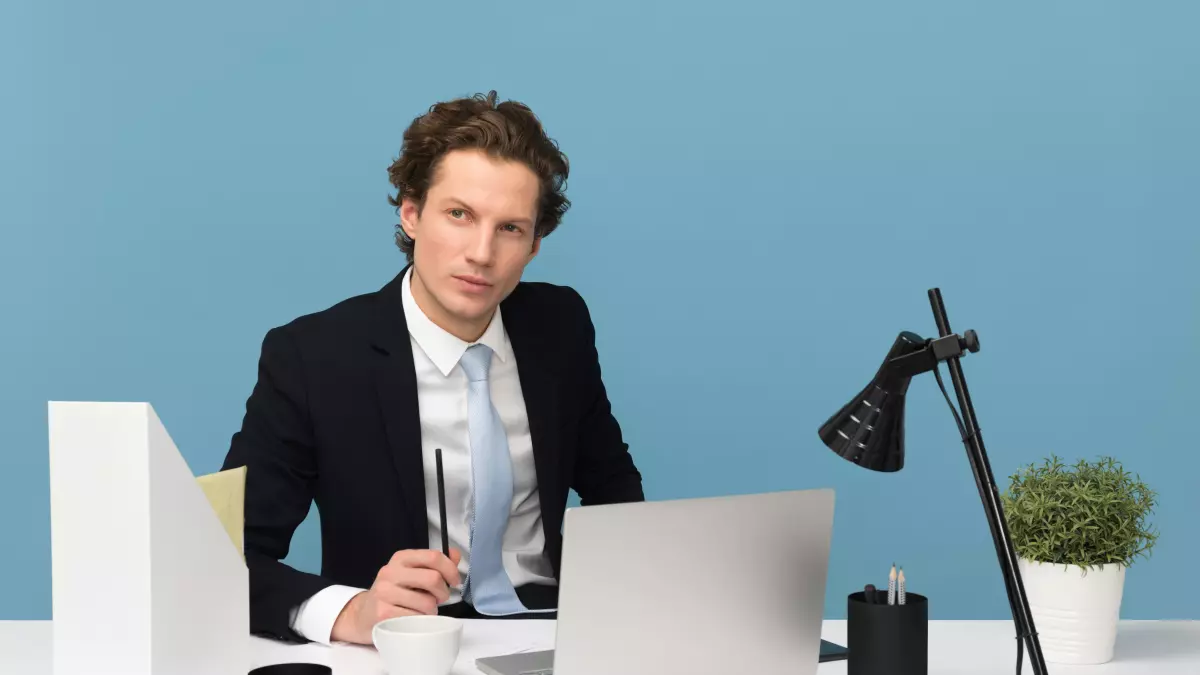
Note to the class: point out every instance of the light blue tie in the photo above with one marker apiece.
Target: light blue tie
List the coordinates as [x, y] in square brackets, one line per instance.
[488, 587]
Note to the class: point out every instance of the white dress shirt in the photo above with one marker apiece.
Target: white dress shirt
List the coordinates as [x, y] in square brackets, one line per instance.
[442, 400]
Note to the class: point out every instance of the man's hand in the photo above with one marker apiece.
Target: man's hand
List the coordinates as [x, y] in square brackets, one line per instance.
[413, 582]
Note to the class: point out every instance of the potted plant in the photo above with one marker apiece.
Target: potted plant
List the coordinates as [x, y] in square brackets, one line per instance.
[1076, 529]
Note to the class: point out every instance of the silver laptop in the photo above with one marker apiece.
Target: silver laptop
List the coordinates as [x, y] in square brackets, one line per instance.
[713, 585]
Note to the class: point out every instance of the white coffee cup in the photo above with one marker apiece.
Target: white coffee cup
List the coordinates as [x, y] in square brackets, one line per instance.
[418, 645]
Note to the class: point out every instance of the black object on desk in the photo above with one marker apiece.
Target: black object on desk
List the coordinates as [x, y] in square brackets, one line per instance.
[831, 651]
[887, 639]
[293, 669]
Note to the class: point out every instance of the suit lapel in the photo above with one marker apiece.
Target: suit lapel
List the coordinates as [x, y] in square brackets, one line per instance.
[396, 383]
[540, 388]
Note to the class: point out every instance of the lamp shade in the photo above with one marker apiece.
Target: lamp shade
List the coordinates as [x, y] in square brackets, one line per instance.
[869, 430]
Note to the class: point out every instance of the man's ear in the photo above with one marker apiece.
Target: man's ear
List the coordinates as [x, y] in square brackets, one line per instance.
[537, 246]
[410, 213]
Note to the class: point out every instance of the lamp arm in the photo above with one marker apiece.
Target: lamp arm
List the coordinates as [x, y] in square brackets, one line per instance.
[990, 495]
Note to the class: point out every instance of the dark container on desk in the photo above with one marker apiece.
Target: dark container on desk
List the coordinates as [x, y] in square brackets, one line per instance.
[887, 639]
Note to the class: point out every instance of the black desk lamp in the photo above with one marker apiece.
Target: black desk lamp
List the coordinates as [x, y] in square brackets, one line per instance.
[869, 431]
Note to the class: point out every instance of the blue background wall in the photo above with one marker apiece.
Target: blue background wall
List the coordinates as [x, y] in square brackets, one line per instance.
[763, 193]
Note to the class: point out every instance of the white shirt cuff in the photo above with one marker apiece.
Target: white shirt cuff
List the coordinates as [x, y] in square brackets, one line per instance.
[315, 617]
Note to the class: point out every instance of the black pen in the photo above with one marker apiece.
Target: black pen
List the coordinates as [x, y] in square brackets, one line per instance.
[441, 481]
[869, 594]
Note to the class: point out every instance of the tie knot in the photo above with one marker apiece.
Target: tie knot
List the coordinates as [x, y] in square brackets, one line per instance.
[476, 362]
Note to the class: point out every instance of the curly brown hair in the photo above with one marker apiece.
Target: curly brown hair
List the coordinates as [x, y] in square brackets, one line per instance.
[506, 130]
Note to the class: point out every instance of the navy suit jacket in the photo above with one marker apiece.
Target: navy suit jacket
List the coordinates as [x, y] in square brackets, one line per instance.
[333, 419]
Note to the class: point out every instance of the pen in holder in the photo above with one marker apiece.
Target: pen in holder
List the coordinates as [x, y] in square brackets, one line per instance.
[887, 639]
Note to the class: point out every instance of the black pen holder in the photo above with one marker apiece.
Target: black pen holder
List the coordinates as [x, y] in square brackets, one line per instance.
[887, 639]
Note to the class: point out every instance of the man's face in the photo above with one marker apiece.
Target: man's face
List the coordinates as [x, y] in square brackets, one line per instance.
[474, 236]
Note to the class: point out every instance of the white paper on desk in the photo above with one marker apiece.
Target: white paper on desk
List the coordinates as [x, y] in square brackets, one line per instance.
[496, 637]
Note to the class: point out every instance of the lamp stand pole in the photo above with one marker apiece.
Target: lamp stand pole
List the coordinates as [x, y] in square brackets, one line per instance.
[990, 495]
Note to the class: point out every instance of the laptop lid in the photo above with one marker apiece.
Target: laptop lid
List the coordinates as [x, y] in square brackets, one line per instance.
[712, 585]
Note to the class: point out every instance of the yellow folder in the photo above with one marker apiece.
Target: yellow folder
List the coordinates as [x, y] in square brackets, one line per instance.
[226, 491]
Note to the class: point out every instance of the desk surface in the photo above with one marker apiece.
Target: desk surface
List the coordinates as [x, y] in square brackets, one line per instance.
[955, 647]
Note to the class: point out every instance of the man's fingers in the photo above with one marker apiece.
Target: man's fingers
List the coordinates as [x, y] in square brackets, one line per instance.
[429, 581]
[434, 560]
[406, 601]
[418, 579]
[447, 567]
[391, 612]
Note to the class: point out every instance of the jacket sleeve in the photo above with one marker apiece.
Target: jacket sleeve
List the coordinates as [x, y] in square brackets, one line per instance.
[604, 471]
[275, 444]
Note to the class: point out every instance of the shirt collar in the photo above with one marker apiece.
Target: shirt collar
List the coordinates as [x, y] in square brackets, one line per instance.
[440, 346]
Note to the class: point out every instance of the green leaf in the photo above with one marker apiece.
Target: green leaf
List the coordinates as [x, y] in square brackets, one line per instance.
[1089, 513]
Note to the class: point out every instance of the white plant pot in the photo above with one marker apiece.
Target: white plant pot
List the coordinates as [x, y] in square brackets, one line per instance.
[1075, 611]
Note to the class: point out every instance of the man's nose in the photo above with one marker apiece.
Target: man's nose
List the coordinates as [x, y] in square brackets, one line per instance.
[480, 252]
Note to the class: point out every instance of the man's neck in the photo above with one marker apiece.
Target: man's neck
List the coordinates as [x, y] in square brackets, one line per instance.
[467, 331]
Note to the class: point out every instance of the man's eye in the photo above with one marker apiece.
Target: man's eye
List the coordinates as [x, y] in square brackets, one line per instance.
[511, 228]
[458, 214]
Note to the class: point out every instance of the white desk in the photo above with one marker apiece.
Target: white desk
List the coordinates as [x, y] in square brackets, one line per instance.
[955, 648]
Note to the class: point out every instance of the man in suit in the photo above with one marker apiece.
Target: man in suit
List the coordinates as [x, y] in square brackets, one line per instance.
[456, 354]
